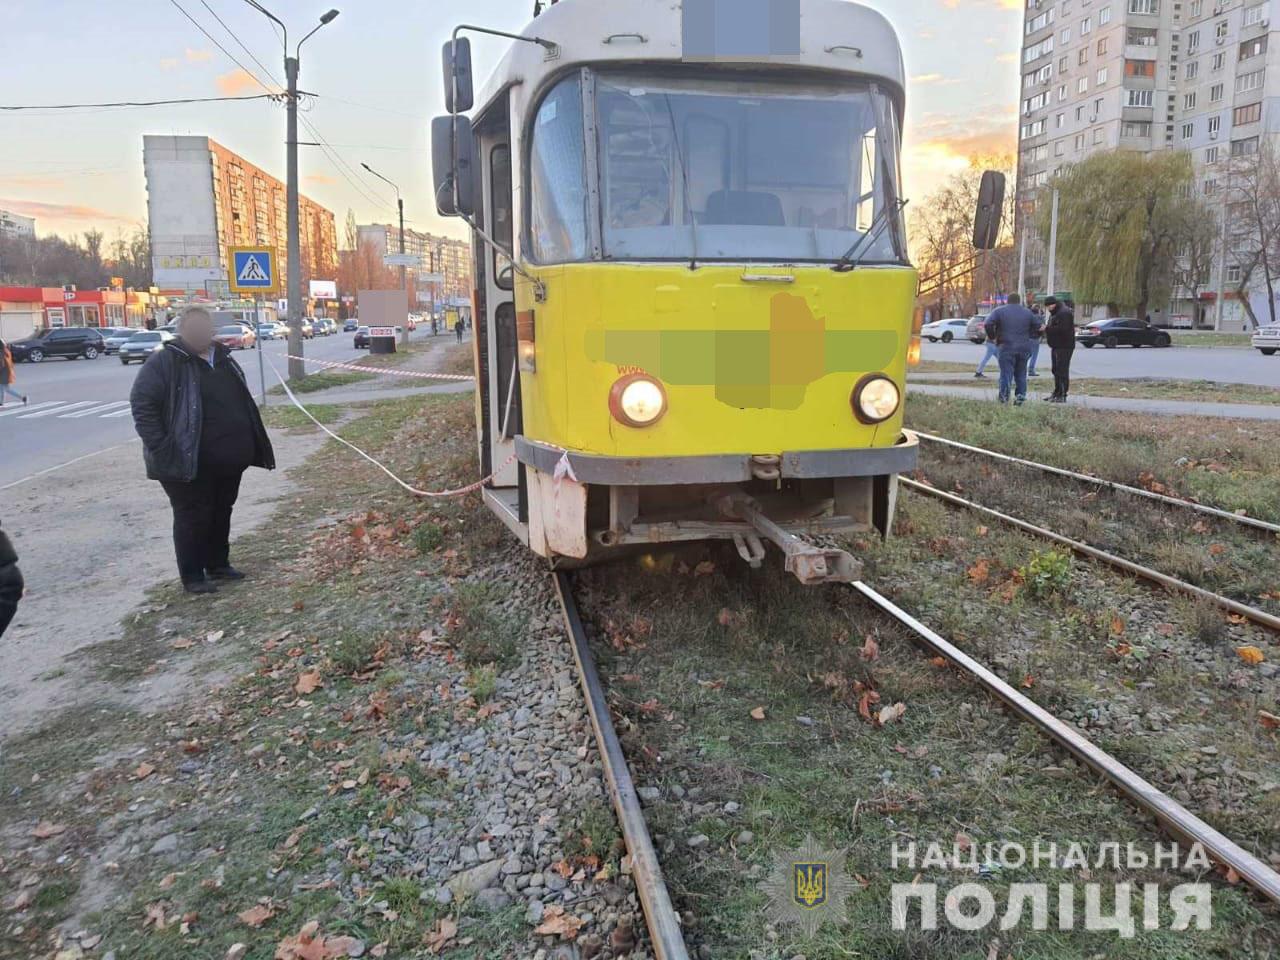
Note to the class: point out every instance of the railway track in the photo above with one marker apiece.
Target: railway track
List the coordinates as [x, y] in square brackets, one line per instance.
[661, 918]
[1255, 615]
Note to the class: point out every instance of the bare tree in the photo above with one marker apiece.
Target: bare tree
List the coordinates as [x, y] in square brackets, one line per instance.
[1253, 224]
[1194, 266]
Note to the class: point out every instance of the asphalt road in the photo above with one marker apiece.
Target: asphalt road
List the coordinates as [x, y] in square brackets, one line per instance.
[80, 408]
[1220, 364]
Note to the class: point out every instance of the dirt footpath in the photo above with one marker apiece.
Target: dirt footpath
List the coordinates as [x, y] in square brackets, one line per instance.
[93, 539]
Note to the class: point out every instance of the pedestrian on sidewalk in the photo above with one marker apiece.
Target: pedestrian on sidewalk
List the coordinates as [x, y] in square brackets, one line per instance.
[457, 329]
[1015, 329]
[992, 351]
[1061, 334]
[200, 431]
[11, 584]
[8, 377]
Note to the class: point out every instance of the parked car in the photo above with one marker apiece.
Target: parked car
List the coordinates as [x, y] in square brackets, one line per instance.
[976, 330]
[944, 330]
[361, 339]
[236, 337]
[70, 342]
[112, 337]
[1126, 331]
[268, 331]
[142, 344]
[350, 326]
[1267, 339]
[324, 327]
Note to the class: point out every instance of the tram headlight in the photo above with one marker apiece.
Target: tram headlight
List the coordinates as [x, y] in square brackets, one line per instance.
[637, 400]
[875, 399]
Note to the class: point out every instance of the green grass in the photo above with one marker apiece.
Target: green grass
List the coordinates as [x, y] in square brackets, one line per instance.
[1149, 388]
[291, 418]
[484, 627]
[1224, 463]
[1190, 338]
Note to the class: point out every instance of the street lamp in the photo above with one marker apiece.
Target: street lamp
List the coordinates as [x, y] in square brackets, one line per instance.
[297, 369]
[404, 284]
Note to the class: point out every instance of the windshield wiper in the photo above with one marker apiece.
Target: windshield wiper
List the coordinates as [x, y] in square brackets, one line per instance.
[853, 256]
[684, 179]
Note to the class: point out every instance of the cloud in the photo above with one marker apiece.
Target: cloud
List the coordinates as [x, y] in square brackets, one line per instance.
[238, 83]
[26, 181]
[319, 179]
[198, 56]
[934, 78]
[61, 211]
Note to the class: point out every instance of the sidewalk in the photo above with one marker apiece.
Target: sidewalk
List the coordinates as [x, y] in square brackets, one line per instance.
[1164, 408]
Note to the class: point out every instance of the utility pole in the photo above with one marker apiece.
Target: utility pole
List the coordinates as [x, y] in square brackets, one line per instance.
[404, 283]
[293, 285]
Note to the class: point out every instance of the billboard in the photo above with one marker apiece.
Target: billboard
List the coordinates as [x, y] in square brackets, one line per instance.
[324, 290]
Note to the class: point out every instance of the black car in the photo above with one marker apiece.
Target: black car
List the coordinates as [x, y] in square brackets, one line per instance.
[70, 342]
[350, 326]
[361, 339]
[1122, 331]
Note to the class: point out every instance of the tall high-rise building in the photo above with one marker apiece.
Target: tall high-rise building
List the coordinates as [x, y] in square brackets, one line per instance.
[442, 255]
[16, 225]
[1141, 75]
[202, 198]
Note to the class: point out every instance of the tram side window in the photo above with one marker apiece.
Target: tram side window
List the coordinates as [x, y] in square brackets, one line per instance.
[500, 178]
[557, 177]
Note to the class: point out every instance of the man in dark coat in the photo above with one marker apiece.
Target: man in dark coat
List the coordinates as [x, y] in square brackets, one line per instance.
[1015, 329]
[1061, 335]
[200, 431]
[10, 582]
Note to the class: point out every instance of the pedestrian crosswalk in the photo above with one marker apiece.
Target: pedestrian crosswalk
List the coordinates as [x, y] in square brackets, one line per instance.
[65, 410]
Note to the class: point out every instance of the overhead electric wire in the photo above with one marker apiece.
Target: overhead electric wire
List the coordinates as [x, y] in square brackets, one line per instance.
[241, 43]
[134, 103]
[215, 42]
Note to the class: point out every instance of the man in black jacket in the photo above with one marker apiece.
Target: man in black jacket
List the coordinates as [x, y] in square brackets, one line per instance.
[10, 582]
[1061, 335]
[200, 431]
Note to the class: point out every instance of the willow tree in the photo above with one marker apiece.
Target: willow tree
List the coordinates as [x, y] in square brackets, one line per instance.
[1123, 220]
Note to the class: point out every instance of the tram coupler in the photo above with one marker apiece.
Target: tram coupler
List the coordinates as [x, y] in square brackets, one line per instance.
[808, 563]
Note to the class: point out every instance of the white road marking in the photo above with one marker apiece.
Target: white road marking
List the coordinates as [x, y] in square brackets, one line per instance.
[27, 408]
[94, 410]
[41, 473]
[58, 410]
[119, 413]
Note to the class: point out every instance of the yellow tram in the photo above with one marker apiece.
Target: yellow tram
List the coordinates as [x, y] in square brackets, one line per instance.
[693, 297]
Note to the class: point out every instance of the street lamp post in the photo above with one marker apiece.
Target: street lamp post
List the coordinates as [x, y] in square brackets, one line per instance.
[297, 368]
[404, 283]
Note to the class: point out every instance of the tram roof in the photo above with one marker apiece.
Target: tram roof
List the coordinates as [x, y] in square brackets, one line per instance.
[837, 36]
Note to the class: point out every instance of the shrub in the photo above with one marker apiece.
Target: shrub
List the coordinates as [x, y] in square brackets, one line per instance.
[1048, 573]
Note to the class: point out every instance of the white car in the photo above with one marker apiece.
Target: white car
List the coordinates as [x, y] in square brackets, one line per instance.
[1267, 339]
[944, 330]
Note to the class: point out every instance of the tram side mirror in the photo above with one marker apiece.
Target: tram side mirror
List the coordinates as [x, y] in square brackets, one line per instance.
[986, 221]
[455, 185]
[458, 93]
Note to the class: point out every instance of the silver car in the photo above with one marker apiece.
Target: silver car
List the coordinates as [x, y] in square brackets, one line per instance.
[142, 345]
[944, 330]
[113, 337]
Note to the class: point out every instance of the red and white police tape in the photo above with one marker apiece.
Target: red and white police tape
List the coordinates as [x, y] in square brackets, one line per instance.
[427, 494]
[385, 370]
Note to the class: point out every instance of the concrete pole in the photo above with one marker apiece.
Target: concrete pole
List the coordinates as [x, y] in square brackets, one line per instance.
[297, 369]
[1022, 262]
[1052, 285]
[1220, 301]
[404, 283]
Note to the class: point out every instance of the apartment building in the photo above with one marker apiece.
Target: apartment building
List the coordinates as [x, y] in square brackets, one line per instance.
[203, 198]
[447, 257]
[1140, 75]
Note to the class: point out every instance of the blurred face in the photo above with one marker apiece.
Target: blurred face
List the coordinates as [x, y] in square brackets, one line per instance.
[196, 331]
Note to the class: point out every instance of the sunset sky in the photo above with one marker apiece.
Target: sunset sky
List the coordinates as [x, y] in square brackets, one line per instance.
[376, 71]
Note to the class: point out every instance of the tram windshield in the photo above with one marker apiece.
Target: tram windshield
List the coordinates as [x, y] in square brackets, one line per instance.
[720, 169]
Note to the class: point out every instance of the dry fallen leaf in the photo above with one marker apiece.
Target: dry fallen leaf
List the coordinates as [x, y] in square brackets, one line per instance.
[757, 713]
[23, 900]
[1117, 626]
[182, 643]
[144, 770]
[1251, 655]
[938, 661]
[308, 682]
[870, 650]
[556, 922]
[155, 915]
[704, 569]
[1028, 682]
[1217, 549]
[980, 572]
[1268, 720]
[868, 699]
[256, 915]
[213, 637]
[236, 951]
[890, 714]
[44, 829]
[439, 938]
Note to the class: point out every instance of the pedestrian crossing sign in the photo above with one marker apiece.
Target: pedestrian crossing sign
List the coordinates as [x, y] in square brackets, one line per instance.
[253, 269]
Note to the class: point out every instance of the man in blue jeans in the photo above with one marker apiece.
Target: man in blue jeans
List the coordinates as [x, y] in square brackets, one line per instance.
[1015, 329]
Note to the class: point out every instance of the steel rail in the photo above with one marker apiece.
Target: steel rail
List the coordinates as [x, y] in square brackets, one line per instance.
[660, 916]
[1110, 484]
[1260, 617]
[1176, 818]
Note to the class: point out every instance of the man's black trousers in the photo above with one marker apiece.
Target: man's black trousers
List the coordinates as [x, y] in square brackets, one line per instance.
[1062, 370]
[202, 522]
